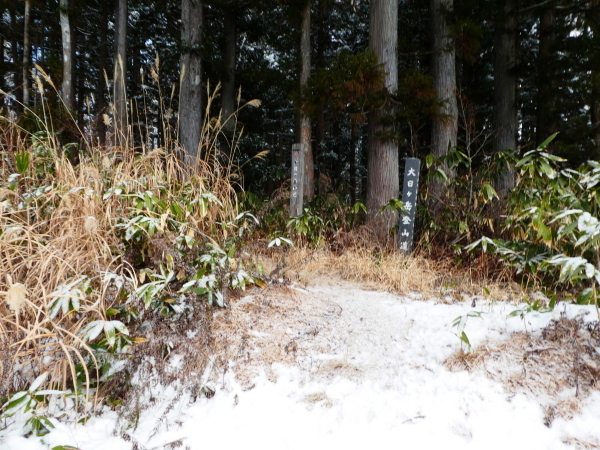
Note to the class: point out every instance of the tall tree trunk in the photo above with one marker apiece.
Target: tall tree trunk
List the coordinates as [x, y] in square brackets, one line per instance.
[14, 49]
[80, 93]
[546, 102]
[353, 167]
[305, 127]
[228, 78]
[445, 122]
[120, 75]
[40, 41]
[68, 96]
[135, 114]
[26, 52]
[100, 82]
[505, 90]
[595, 109]
[383, 171]
[190, 102]
[594, 23]
[323, 39]
[79, 77]
[2, 67]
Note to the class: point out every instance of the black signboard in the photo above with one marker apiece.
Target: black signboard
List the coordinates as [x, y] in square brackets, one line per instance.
[409, 201]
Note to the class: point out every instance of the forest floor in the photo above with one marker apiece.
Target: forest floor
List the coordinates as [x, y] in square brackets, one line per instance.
[335, 365]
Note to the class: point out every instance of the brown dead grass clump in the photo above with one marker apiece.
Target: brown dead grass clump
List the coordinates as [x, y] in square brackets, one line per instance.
[559, 366]
[389, 271]
[62, 222]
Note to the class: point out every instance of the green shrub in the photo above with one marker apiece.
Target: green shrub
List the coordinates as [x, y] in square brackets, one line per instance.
[552, 224]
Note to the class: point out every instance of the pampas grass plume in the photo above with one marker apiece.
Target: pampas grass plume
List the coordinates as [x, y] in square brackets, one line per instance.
[16, 296]
[91, 225]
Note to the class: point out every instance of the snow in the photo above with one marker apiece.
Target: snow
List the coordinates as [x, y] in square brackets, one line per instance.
[373, 378]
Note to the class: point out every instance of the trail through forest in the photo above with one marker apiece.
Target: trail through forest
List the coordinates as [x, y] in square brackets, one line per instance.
[336, 366]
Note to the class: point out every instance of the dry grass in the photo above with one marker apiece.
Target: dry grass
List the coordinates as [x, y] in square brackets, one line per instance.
[390, 271]
[58, 223]
[558, 366]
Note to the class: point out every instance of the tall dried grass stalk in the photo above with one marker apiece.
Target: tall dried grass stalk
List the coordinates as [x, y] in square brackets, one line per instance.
[56, 225]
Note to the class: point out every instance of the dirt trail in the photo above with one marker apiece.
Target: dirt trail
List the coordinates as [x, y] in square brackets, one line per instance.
[388, 353]
[331, 329]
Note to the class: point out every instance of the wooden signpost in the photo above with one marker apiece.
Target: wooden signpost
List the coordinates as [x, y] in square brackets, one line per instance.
[409, 201]
[297, 187]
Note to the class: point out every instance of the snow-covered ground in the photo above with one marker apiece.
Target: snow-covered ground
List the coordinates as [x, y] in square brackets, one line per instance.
[361, 370]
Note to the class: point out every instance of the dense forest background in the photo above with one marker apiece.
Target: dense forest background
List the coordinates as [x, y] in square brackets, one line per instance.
[145, 159]
[479, 77]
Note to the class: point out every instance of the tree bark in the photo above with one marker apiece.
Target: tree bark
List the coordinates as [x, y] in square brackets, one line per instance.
[14, 49]
[120, 75]
[3, 69]
[79, 77]
[305, 126]
[353, 167]
[445, 122]
[100, 82]
[545, 125]
[190, 102]
[135, 113]
[594, 23]
[323, 40]
[383, 171]
[26, 52]
[595, 109]
[228, 78]
[68, 96]
[505, 90]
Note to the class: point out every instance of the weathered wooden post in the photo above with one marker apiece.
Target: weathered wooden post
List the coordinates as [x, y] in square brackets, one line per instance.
[409, 201]
[297, 186]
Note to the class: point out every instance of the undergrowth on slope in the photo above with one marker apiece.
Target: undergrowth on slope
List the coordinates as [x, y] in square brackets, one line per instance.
[107, 262]
[552, 228]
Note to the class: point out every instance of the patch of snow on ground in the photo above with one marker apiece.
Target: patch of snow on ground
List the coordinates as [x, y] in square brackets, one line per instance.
[381, 384]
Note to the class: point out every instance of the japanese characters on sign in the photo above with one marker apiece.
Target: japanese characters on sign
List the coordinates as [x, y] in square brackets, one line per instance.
[297, 180]
[409, 201]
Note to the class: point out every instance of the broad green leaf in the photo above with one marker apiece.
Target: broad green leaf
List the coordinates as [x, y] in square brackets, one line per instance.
[17, 402]
[489, 193]
[547, 141]
[465, 339]
[429, 160]
[544, 232]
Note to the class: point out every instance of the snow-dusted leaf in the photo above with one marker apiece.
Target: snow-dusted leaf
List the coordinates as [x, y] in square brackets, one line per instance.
[590, 270]
[587, 223]
[459, 323]
[38, 382]
[246, 214]
[566, 213]
[50, 392]
[17, 402]
[187, 286]
[55, 306]
[92, 330]
[110, 333]
[220, 299]
[484, 242]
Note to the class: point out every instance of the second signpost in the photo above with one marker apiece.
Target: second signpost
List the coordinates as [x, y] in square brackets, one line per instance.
[297, 181]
